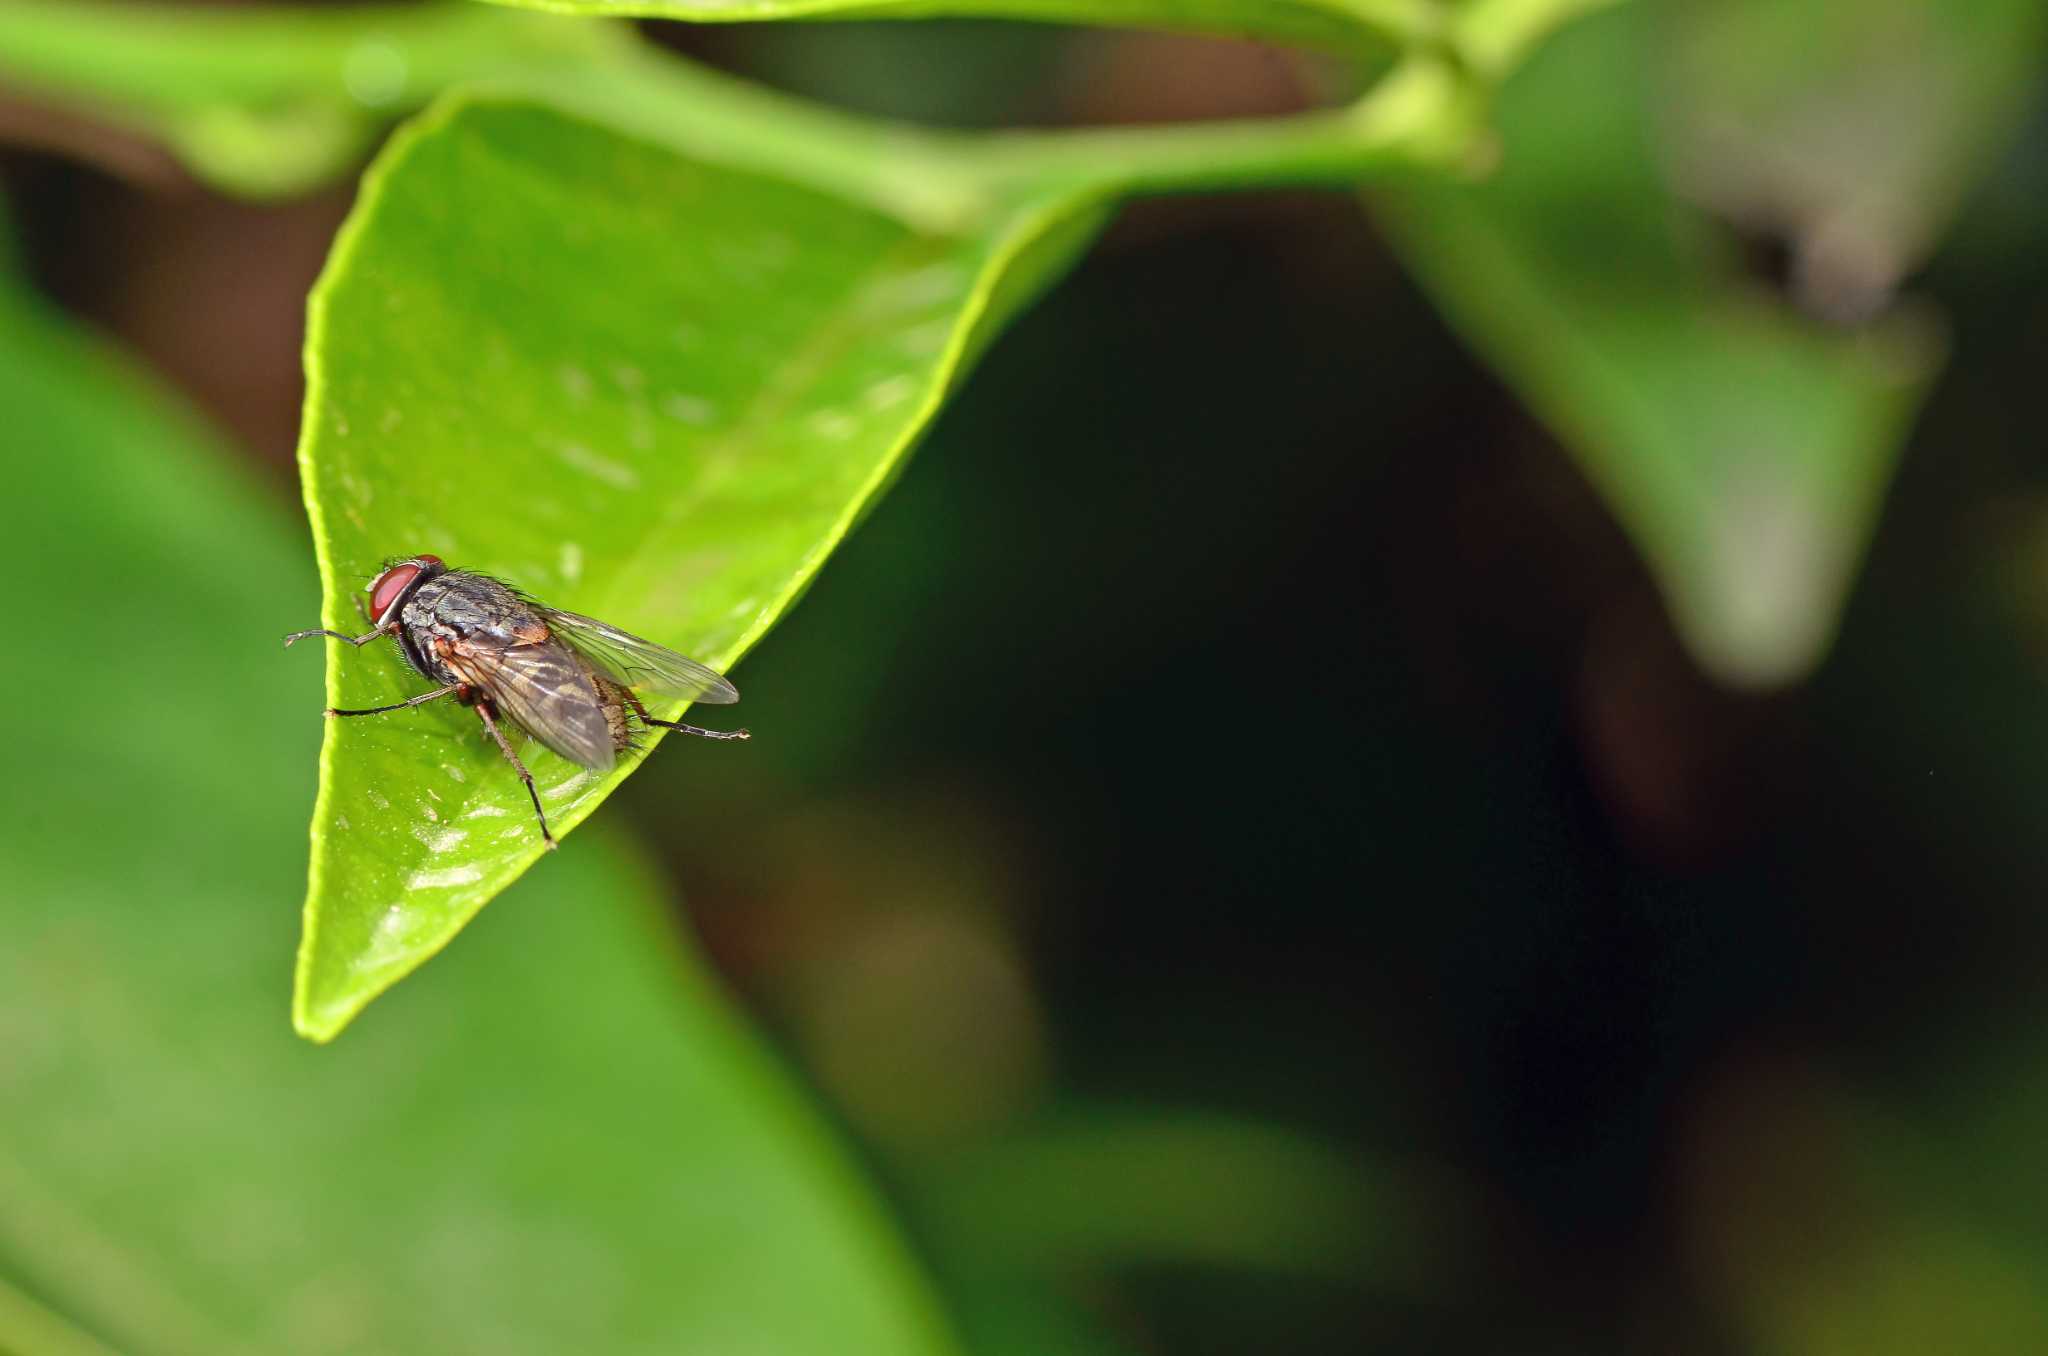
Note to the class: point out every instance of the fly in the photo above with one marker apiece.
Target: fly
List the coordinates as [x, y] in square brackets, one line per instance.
[565, 679]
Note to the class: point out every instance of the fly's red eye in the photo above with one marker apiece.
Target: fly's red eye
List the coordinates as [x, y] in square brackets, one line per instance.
[389, 585]
[428, 560]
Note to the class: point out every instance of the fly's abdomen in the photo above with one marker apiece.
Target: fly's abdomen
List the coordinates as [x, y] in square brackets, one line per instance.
[613, 698]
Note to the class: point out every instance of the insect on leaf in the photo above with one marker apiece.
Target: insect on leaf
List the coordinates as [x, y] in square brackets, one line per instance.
[650, 387]
[571, 1109]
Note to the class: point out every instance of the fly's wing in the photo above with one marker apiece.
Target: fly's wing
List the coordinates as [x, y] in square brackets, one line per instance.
[547, 689]
[629, 661]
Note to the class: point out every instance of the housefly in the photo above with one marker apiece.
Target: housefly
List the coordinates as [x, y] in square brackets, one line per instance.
[565, 679]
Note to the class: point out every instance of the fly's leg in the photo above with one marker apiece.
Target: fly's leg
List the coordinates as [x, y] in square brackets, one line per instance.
[698, 730]
[641, 711]
[484, 709]
[353, 640]
[423, 698]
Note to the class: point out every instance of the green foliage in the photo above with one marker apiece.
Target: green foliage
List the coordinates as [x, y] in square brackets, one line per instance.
[566, 1144]
[684, 440]
[1344, 24]
[1855, 130]
[657, 380]
[648, 388]
[267, 102]
[1745, 447]
[262, 102]
[690, 371]
[649, 341]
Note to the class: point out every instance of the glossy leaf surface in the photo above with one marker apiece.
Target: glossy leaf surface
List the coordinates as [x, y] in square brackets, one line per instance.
[567, 1144]
[649, 388]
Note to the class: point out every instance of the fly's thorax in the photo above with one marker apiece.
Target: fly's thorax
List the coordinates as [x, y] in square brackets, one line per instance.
[424, 603]
[457, 613]
[478, 607]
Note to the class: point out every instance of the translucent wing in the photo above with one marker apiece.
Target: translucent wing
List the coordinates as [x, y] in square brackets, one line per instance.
[630, 661]
[548, 691]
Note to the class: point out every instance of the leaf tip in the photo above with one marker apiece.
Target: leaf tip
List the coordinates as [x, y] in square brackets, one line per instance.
[316, 1023]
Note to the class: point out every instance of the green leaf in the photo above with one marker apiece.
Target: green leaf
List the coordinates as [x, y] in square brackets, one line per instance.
[1342, 24]
[567, 1144]
[675, 337]
[654, 389]
[1493, 36]
[1851, 131]
[1744, 448]
[271, 101]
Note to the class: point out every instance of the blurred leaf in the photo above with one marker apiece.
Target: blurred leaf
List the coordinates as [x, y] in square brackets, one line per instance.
[645, 387]
[1493, 36]
[1028, 1226]
[29, 1329]
[268, 101]
[1117, 1189]
[1852, 128]
[1745, 449]
[567, 1145]
[1333, 23]
[1825, 1225]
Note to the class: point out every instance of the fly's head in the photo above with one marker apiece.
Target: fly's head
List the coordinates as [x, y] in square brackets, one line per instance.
[389, 590]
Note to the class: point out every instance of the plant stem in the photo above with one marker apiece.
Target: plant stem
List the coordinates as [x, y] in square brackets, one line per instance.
[215, 93]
